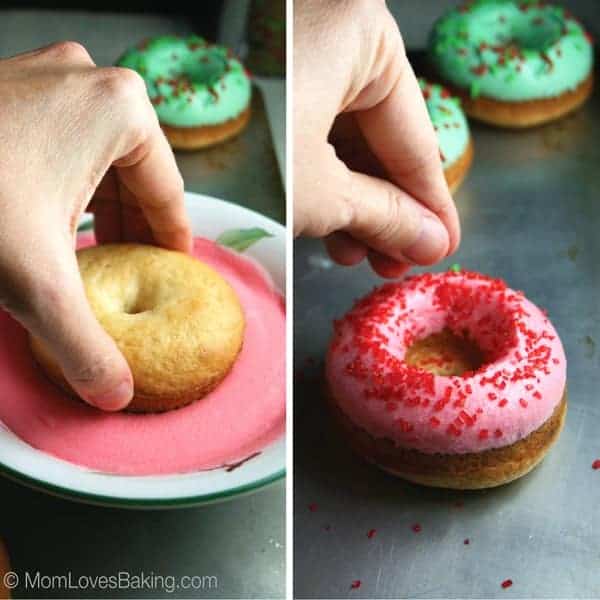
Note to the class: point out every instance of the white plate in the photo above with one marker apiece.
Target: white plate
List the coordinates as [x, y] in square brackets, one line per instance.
[19, 461]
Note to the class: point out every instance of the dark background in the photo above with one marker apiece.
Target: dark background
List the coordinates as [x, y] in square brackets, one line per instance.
[205, 16]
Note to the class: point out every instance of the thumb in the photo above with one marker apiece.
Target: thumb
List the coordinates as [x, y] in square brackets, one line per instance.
[390, 221]
[61, 321]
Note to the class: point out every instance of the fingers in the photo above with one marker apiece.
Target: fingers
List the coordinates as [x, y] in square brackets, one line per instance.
[117, 216]
[347, 251]
[390, 221]
[400, 134]
[151, 178]
[344, 249]
[387, 267]
[142, 160]
[106, 208]
[58, 314]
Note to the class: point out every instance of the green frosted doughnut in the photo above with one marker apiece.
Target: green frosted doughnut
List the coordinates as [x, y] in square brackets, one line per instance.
[511, 51]
[191, 83]
[448, 121]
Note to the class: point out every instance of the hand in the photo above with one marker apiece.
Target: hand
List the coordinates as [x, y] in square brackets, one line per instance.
[349, 58]
[69, 129]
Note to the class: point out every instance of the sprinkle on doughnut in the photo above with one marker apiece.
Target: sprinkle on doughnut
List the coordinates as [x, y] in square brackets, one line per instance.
[511, 51]
[448, 121]
[513, 387]
[191, 83]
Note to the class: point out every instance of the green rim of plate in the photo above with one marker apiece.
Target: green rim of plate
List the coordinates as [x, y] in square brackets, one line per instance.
[115, 501]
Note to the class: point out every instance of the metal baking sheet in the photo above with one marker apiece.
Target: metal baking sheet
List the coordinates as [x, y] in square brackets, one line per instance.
[243, 170]
[530, 211]
[241, 542]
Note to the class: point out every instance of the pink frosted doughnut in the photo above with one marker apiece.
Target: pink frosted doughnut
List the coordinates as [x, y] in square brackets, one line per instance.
[517, 389]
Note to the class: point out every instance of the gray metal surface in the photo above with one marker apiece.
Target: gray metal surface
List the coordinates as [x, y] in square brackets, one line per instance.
[530, 211]
[243, 170]
[242, 541]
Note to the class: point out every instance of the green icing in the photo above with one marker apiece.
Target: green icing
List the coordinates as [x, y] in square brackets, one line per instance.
[448, 121]
[191, 83]
[512, 51]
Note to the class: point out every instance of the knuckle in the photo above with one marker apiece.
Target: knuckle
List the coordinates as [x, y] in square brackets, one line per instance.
[68, 51]
[122, 84]
[125, 90]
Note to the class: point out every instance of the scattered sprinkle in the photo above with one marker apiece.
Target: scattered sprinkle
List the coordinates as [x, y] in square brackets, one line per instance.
[572, 252]
[356, 584]
[371, 533]
[590, 346]
[313, 506]
[416, 528]
[596, 464]
[506, 583]
[466, 541]
[455, 268]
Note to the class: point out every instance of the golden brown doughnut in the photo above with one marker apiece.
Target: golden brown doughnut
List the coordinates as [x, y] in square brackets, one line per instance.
[178, 323]
[196, 138]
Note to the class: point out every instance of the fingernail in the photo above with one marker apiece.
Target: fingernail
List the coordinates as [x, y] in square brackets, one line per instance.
[432, 244]
[116, 399]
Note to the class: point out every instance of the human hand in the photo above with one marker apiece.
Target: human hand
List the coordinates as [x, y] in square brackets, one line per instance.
[349, 58]
[68, 130]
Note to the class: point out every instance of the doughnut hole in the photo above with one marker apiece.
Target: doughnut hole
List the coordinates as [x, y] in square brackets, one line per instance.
[516, 29]
[445, 353]
[188, 69]
[139, 305]
[472, 332]
[548, 31]
[138, 296]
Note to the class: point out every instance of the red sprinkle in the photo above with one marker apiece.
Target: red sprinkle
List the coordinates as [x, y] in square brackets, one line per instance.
[523, 402]
[466, 542]
[596, 464]
[480, 69]
[416, 528]
[313, 507]
[356, 584]
[506, 583]
[371, 533]
[453, 430]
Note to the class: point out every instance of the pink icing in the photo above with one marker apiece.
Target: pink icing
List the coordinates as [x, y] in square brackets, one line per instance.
[511, 395]
[239, 418]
